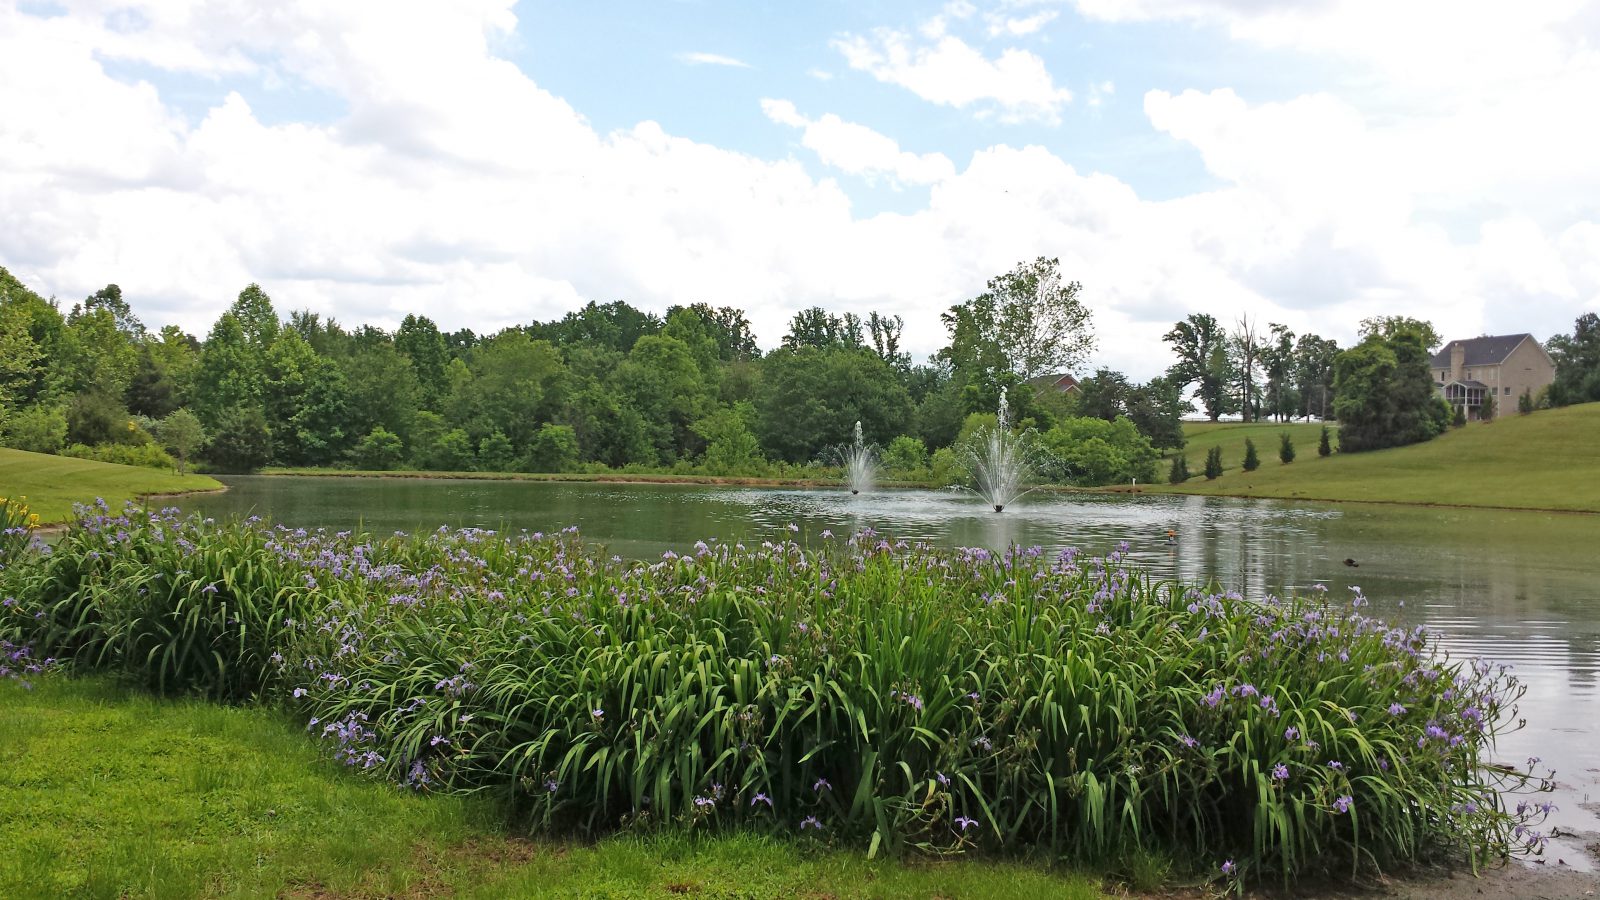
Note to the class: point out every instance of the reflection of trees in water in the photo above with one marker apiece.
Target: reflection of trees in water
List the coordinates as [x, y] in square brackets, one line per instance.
[1510, 585]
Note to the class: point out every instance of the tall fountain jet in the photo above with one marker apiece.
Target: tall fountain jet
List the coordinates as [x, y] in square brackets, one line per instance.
[998, 461]
[860, 464]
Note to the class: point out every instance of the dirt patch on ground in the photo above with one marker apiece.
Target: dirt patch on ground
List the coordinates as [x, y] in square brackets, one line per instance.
[1515, 880]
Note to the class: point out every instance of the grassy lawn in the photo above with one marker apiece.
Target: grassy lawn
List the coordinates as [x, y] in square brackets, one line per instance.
[1230, 436]
[1540, 461]
[53, 483]
[107, 793]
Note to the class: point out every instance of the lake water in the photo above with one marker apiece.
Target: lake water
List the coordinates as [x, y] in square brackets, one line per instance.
[1516, 587]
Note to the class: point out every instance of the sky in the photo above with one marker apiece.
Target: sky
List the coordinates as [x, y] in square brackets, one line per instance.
[489, 162]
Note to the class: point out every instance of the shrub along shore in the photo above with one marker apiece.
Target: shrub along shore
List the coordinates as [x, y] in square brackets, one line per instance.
[862, 690]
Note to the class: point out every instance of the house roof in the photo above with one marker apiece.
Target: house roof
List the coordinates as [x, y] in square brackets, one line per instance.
[1490, 350]
[1467, 384]
[1061, 383]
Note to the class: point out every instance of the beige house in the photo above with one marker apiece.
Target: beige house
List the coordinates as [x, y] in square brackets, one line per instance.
[1500, 367]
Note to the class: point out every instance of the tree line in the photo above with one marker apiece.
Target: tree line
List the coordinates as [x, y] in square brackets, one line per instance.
[611, 386]
[606, 386]
[1381, 391]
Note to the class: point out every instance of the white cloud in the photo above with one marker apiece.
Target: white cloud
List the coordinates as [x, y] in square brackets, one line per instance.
[1015, 86]
[858, 150]
[1418, 45]
[712, 59]
[1001, 25]
[455, 186]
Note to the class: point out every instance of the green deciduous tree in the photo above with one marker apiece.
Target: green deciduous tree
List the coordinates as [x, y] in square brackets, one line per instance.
[906, 455]
[731, 446]
[665, 384]
[810, 399]
[726, 327]
[615, 326]
[1577, 358]
[1384, 394]
[37, 429]
[381, 388]
[231, 373]
[109, 298]
[182, 435]
[1028, 322]
[420, 342]
[884, 332]
[1313, 364]
[817, 329]
[99, 356]
[258, 321]
[1387, 327]
[380, 450]
[1096, 452]
[1201, 347]
[554, 448]
[495, 453]
[1278, 366]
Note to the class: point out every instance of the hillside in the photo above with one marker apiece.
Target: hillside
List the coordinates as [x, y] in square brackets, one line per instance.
[1230, 436]
[53, 483]
[1547, 460]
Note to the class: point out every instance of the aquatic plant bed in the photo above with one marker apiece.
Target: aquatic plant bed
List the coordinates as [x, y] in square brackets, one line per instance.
[860, 690]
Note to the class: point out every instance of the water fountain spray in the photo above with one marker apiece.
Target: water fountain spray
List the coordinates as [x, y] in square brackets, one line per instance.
[860, 461]
[999, 461]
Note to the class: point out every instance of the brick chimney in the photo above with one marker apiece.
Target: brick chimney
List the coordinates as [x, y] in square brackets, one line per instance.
[1458, 358]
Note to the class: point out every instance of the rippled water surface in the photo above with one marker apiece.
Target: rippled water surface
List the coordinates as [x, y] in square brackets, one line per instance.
[1516, 587]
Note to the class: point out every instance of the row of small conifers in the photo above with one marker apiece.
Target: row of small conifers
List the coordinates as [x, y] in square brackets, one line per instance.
[854, 689]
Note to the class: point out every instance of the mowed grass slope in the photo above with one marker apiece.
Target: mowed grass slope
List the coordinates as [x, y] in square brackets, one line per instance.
[53, 483]
[111, 793]
[1546, 460]
[1230, 436]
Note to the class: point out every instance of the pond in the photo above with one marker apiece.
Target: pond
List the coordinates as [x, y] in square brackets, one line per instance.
[1521, 588]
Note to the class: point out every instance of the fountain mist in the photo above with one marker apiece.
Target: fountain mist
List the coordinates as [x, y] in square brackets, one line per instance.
[860, 461]
[999, 461]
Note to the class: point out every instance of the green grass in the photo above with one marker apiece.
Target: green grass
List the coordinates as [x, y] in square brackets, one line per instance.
[53, 483]
[111, 793]
[1537, 461]
[1230, 436]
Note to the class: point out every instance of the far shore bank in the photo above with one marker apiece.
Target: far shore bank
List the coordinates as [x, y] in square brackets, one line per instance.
[1309, 498]
[821, 483]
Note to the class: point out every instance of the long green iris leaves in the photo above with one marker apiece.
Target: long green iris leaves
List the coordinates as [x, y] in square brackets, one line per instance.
[855, 689]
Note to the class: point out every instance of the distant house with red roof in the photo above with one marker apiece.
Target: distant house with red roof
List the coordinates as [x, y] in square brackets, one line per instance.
[1063, 384]
[1501, 367]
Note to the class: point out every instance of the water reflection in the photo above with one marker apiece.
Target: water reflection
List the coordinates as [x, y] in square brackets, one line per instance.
[1516, 587]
